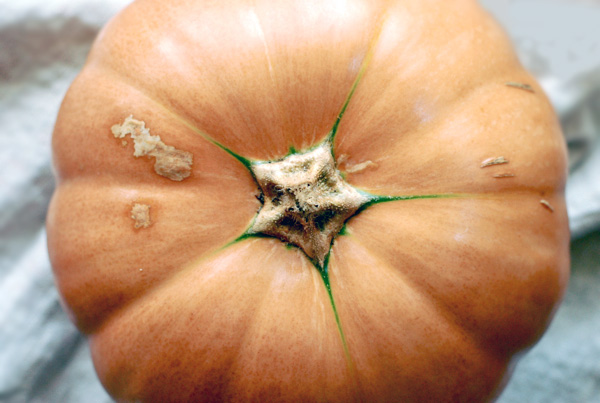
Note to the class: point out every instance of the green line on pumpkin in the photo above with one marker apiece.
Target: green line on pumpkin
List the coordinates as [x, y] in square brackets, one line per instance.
[373, 199]
[245, 161]
[376, 199]
[361, 71]
[331, 136]
[292, 150]
[324, 271]
[245, 235]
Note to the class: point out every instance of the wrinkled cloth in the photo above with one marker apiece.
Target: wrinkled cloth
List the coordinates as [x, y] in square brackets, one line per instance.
[43, 45]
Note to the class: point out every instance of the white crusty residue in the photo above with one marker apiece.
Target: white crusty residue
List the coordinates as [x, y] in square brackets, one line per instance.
[345, 165]
[504, 175]
[493, 161]
[360, 166]
[170, 162]
[140, 213]
[547, 205]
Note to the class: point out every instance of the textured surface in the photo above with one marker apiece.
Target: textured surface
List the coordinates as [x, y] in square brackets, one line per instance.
[42, 358]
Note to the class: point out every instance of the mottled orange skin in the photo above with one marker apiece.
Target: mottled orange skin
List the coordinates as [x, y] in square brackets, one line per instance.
[435, 297]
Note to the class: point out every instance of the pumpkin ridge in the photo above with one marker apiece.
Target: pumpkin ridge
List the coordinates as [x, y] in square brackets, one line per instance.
[460, 325]
[429, 303]
[351, 365]
[486, 335]
[154, 290]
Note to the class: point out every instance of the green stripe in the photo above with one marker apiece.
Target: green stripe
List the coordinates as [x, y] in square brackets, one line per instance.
[245, 161]
[325, 276]
[336, 124]
[376, 199]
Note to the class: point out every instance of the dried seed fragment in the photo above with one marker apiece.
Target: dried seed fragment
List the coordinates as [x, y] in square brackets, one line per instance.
[493, 161]
[547, 205]
[504, 175]
[522, 86]
[140, 213]
[170, 162]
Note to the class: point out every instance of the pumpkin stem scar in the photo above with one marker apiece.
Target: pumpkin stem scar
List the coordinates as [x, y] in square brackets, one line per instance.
[305, 200]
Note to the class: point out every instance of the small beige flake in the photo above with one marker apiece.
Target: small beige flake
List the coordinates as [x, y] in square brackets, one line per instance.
[493, 161]
[504, 175]
[124, 143]
[547, 205]
[140, 213]
[170, 162]
[360, 167]
[522, 86]
[342, 160]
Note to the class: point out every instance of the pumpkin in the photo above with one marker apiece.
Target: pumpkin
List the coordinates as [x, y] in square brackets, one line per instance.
[304, 201]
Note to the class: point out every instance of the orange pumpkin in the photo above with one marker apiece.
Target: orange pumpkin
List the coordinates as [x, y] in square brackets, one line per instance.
[307, 201]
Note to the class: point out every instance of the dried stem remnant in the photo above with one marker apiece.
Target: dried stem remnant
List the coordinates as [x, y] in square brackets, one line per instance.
[493, 161]
[170, 162]
[140, 213]
[305, 201]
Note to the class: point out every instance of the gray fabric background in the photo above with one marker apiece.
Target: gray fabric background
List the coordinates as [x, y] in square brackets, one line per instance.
[43, 45]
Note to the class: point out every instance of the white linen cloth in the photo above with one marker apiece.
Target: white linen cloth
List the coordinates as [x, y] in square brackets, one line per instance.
[43, 45]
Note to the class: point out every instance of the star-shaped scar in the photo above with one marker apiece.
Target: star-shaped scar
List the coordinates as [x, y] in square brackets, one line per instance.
[306, 200]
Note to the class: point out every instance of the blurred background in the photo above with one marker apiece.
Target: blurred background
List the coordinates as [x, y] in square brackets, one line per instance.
[43, 45]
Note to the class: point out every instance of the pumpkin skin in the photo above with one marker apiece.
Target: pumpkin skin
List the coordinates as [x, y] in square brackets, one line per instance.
[434, 297]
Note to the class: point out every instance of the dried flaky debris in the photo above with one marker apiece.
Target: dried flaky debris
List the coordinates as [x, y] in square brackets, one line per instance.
[344, 165]
[360, 166]
[493, 161]
[140, 213]
[547, 205]
[170, 162]
[504, 175]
